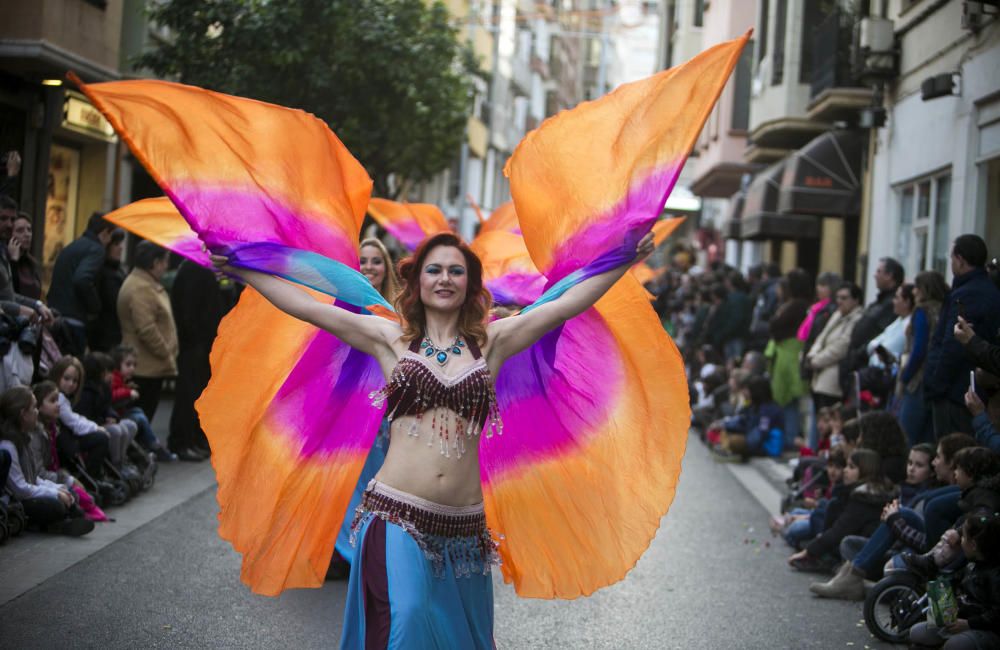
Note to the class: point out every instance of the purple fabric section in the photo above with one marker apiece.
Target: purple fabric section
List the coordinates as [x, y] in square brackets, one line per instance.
[324, 405]
[554, 396]
[375, 587]
[224, 216]
[409, 233]
[517, 288]
[634, 216]
[190, 248]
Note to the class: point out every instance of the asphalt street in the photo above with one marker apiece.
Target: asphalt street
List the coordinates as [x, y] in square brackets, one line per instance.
[712, 578]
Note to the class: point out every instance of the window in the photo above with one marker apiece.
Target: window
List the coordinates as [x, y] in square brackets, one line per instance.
[778, 68]
[699, 13]
[762, 43]
[923, 240]
[741, 91]
[942, 242]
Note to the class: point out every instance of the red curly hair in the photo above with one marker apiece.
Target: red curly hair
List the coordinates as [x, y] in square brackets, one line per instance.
[472, 317]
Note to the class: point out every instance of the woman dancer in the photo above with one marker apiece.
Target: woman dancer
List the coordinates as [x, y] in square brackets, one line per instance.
[376, 265]
[422, 533]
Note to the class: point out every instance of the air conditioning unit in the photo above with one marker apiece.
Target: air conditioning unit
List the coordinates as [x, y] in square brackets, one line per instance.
[876, 35]
[874, 54]
[975, 15]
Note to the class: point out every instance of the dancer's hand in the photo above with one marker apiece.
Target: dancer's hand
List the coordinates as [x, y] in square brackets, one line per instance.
[644, 248]
[220, 262]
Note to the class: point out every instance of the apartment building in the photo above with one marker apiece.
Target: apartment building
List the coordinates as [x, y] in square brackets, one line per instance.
[936, 159]
[71, 156]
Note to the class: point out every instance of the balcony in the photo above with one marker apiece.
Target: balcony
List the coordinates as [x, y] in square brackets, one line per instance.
[835, 93]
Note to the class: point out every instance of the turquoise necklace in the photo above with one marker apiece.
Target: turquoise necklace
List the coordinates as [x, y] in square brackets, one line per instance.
[441, 355]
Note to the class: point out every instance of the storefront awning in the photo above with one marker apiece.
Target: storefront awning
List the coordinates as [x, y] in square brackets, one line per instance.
[780, 226]
[823, 178]
[732, 228]
[761, 218]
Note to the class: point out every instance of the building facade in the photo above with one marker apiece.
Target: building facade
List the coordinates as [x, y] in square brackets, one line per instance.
[71, 157]
[936, 160]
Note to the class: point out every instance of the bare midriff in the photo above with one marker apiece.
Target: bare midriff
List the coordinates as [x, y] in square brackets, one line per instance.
[415, 464]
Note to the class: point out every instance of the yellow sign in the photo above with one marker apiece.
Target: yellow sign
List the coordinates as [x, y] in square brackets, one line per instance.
[80, 116]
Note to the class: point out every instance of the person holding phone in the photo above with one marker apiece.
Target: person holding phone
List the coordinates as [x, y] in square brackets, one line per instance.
[984, 355]
[976, 300]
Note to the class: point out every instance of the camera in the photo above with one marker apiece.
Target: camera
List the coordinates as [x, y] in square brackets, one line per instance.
[27, 338]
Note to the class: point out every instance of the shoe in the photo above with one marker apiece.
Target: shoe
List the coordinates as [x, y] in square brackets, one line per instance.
[848, 584]
[777, 524]
[922, 565]
[189, 455]
[72, 527]
[164, 455]
[811, 565]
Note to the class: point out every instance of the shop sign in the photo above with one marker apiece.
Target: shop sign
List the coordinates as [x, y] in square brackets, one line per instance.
[818, 181]
[80, 115]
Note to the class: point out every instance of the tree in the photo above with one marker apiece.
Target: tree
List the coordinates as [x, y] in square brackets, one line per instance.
[389, 77]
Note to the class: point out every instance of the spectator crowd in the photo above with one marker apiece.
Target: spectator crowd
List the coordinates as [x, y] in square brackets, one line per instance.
[889, 413]
[83, 363]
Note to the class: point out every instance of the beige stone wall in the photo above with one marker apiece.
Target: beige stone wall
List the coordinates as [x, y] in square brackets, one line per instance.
[73, 25]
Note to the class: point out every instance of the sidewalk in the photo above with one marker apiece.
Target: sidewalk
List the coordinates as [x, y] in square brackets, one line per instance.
[764, 478]
[31, 559]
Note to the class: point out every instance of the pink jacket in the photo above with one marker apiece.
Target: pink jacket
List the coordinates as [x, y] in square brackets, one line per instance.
[806, 326]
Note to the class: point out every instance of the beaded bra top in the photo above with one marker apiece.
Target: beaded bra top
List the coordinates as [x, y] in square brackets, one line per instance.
[416, 387]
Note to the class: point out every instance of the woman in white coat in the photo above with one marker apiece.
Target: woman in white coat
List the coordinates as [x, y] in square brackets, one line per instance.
[831, 346]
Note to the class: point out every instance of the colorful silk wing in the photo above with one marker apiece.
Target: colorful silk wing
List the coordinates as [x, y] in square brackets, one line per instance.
[508, 271]
[663, 228]
[159, 221]
[573, 194]
[596, 413]
[286, 411]
[410, 223]
[503, 218]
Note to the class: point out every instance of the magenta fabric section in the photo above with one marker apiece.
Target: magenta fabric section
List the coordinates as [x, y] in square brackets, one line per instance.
[323, 405]
[555, 395]
[632, 217]
[225, 215]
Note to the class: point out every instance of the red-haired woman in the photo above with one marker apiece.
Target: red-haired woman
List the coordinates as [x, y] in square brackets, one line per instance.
[422, 574]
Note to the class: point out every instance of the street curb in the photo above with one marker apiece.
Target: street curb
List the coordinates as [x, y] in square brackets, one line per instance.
[28, 561]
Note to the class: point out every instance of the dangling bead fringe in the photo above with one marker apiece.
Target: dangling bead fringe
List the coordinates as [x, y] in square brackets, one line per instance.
[463, 398]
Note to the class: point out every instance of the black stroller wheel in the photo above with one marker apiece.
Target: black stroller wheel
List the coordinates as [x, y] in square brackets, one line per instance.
[893, 606]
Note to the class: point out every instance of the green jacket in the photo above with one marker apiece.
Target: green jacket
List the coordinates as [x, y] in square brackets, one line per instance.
[786, 381]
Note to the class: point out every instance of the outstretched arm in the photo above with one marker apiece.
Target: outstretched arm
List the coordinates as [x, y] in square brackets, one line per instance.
[509, 336]
[371, 335]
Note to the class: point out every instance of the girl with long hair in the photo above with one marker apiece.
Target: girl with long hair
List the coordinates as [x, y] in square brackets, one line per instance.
[49, 506]
[421, 529]
[375, 264]
[929, 292]
[869, 492]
